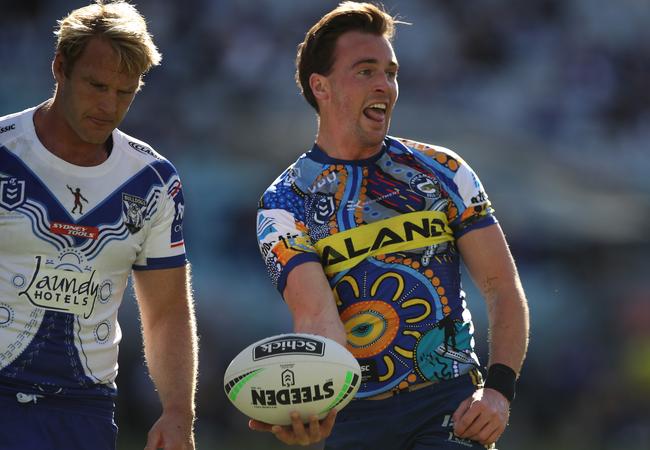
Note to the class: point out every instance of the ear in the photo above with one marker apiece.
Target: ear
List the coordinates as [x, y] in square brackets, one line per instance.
[320, 86]
[58, 65]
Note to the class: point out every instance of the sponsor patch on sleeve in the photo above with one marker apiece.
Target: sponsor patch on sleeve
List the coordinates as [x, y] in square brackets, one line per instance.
[176, 193]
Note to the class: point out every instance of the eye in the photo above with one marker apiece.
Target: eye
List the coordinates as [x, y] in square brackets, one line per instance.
[98, 86]
[391, 74]
[365, 72]
[121, 92]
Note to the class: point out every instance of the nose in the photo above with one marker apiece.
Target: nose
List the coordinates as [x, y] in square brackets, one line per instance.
[381, 83]
[384, 83]
[108, 102]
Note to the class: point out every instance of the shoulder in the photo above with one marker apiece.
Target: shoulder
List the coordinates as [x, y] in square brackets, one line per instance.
[11, 125]
[142, 154]
[135, 148]
[297, 173]
[435, 154]
[291, 187]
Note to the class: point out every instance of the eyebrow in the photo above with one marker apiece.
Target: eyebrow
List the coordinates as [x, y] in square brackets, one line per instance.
[372, 61]
[94, 80]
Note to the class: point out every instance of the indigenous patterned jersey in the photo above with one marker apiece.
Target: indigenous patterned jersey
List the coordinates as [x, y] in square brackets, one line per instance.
[69, 237]
[384, 229]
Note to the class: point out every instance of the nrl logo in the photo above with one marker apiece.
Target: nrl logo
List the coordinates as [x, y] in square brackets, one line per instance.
[323, 208]
[133, 209]
[12, 193]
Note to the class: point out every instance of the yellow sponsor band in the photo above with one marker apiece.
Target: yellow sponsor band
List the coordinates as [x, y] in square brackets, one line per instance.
[346, 249]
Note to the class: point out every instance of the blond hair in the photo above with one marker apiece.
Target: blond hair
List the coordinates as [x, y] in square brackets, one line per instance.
[119, 23]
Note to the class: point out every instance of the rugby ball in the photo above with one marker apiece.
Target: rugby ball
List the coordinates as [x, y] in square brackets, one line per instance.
[300, 372]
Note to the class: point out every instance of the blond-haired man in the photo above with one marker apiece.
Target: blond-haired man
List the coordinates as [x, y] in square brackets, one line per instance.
[63, 271]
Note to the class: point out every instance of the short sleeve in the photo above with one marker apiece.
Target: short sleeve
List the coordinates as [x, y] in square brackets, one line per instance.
[284, 243]
[472, 208]
[164, 246]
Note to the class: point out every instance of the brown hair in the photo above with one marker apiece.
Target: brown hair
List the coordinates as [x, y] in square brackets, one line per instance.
[316, 52]
[117, 21]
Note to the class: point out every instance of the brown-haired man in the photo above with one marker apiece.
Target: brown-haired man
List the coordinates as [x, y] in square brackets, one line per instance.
[363, 237]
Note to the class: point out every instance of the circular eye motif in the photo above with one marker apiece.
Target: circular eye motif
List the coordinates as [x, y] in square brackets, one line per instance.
[18, 281]
[105, 291]
[6, 315]
[371, 326]
[102, 332]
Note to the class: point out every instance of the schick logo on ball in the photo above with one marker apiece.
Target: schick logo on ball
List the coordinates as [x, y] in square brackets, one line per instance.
[289, 345]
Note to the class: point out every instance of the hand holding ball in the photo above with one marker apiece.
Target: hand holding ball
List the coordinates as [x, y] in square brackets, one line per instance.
[299, 372]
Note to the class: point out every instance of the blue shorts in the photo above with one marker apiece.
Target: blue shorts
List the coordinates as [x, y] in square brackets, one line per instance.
[416, 420]
[53, 423]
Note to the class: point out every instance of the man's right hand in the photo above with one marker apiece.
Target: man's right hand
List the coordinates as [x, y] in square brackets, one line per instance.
[297, 433]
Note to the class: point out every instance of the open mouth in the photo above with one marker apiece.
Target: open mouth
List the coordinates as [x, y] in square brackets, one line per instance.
[376, 112]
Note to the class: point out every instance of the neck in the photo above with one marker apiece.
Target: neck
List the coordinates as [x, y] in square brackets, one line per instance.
[345, 148]
[56, 135]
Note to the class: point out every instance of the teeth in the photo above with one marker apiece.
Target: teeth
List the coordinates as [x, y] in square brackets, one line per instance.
[378, 106]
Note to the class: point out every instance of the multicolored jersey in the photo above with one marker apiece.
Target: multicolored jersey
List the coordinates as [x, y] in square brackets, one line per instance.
[385, 230]
[69, 238]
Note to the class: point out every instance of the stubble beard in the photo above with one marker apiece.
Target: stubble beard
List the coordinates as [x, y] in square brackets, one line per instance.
[372, 138]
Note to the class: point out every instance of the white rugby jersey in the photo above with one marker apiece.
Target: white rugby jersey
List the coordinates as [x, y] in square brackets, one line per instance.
[69, 237]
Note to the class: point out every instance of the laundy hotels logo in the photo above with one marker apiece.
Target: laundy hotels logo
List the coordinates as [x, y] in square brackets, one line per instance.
[67, 285]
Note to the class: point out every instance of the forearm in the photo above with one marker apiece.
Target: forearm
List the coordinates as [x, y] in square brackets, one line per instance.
[508, 322]
[492, 267]
[169, 334]
[171, 353]
[322, 324]
[312, 304]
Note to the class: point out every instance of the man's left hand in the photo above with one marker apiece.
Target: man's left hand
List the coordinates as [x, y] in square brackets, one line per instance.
[172, 431]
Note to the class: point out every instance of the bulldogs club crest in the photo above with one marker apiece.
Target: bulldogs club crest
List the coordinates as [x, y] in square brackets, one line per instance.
[12, 193]
[133, 209]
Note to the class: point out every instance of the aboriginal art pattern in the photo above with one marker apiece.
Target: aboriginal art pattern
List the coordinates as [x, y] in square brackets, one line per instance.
[385, 230]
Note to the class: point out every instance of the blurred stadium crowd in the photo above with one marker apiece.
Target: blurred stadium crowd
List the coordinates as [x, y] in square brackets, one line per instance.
[549, 101]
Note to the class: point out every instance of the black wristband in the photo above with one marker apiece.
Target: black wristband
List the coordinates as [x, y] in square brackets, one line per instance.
[502, 378]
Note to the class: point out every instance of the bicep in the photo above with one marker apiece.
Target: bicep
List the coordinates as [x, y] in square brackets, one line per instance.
[488, 259]
[160, 290]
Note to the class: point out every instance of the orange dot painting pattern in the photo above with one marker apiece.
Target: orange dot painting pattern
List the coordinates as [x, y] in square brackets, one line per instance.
[370, 326]
[387, 317]
[440, 154]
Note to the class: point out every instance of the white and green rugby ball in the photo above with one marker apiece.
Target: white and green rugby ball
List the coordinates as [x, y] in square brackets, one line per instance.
[306, 373]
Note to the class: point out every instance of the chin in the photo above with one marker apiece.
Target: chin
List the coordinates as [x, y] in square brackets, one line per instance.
[376, 138]
[95, 138]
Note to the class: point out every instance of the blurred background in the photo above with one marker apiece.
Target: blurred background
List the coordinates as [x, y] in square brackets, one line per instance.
[548, 100]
